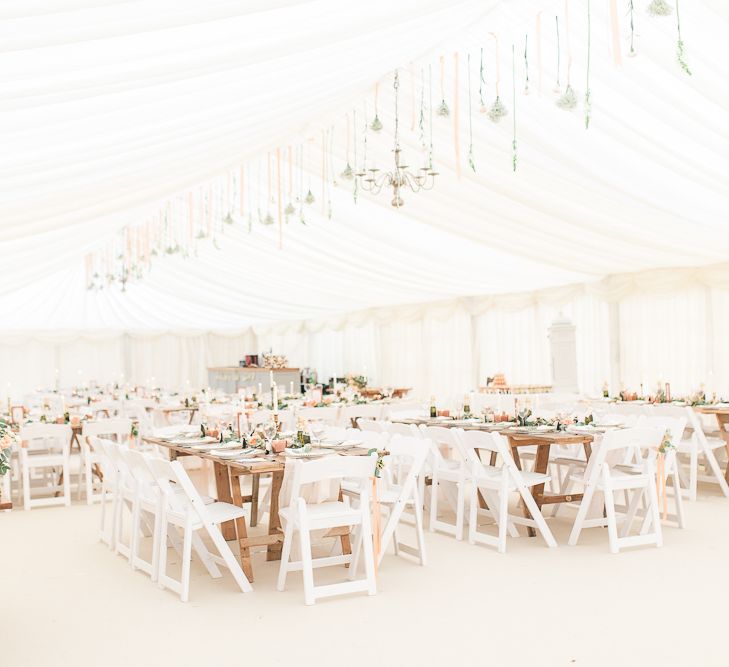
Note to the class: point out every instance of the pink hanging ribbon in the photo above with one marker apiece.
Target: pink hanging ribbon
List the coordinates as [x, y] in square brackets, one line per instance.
[615, 33]
[456, 124]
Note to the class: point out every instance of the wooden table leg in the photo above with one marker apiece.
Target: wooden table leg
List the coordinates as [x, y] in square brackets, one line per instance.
[541, 463]
[255, 487]
[241, 529]
[345, 540]
[222, 485]
[274, 520]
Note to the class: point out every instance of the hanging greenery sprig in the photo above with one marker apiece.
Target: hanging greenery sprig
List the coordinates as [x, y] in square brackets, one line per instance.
[443, 109]
[497, 110]
[421, 119]
[376, 124]
[588, 102]
[679, 44]
[557, 85]
[347, 173]
[481, 84]
[526, 64]
[568, 99]
[631, 10]
[430, 113]
[355, 190]
[471, 163]
[513, 95]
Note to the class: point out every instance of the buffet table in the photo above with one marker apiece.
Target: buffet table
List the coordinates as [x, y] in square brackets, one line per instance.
[231, 378]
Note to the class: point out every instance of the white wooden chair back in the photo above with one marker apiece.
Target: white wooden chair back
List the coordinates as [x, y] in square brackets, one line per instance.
[356, 412]
[54, 438]
[357, 469]
[405, 430]
[118, 427]
[327, 415]
[371, 425]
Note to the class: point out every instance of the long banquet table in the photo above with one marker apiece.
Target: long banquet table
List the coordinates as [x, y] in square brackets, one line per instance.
[543, 440]
[228, 474]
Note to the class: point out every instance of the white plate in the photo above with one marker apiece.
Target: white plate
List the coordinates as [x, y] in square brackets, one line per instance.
[300, 454]
[230, 453]
[347, 444]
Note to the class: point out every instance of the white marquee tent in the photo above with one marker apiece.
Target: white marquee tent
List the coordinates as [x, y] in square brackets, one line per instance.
[110, 117]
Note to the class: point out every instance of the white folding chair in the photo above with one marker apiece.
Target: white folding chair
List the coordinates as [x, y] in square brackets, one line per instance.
[700, 448]
[602, 475]
[187, 511]
[371, 425]
[350, 414]
[328, 416]
[449, 469]
[146, 508]
[495, 484]
[302, 517]
[675, 426]
[46, 448]
[119, 428]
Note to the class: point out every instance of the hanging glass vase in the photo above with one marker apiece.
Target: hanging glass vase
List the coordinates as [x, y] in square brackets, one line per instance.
[376, 125]
[443, 109]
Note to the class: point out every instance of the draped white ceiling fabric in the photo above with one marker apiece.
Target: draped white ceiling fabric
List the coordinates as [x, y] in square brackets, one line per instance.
[109, 109]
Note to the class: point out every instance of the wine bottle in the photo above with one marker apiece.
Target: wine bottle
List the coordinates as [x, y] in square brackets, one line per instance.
[433, 409]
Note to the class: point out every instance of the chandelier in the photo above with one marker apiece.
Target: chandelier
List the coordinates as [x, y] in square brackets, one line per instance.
[400, 177]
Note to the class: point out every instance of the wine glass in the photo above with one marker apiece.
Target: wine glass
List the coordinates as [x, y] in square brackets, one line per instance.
[316, 430]
[269, 431]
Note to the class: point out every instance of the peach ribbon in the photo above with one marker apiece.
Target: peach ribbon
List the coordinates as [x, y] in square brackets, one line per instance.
[539, 52]
[280, 208]
[615, 33]
[456, 124]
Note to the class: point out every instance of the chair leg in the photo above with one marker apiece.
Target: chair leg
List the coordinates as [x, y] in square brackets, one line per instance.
[201, 550]
[186, 560]
[354, 563]
[678, 496]
[655, 512]
[134, 532]
[503, 514]
[610, 511]
[307, 568]
[536, 513]
[473, 514]
[285, 556]
[460, 508]
[368, 553]
[581, 514]
[26, 487]
[67, 483]
[693, 472]
[433, 503]
[419, 526]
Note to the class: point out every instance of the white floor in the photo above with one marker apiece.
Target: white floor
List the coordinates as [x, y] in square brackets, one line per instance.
[65, 599]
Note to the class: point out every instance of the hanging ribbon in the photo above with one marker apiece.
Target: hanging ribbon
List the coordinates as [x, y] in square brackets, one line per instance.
[190, 218]
[280, 207]
[456, 124]
[538, 31]
[615, 33]
[241, 191]
[470, 120]
[567, 37]
[679, 44]
[513, 91]
[588, 102]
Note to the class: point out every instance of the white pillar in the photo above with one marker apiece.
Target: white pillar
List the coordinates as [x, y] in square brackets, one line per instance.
[563, 349]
